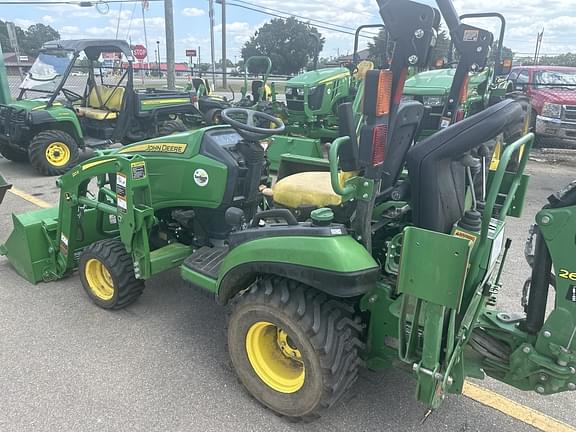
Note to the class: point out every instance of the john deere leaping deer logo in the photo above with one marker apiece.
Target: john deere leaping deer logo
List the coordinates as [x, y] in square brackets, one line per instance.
[201, 177]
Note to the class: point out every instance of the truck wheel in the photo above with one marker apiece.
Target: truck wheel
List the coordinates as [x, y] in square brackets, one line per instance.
[107, 275]
[12, 153]
[171, 126]
[53, 152]
[213, 117]
[294, 348]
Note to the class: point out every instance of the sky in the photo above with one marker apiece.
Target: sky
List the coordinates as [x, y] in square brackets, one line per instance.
[525, 18]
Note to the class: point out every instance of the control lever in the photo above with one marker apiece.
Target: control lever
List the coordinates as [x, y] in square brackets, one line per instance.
[484, 152]
[471, 162]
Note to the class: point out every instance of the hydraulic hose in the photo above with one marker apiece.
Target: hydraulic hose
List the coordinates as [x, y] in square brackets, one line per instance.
[539, 287]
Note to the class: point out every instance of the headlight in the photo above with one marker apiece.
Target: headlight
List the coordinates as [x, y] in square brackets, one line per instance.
[300, 91]
[551, 110]
[433, 100]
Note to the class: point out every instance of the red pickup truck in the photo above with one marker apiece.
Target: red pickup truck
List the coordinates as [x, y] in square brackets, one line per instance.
[552, 90]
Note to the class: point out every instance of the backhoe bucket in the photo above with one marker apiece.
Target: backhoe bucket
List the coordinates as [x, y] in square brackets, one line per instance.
[30, 248]
[4, 186]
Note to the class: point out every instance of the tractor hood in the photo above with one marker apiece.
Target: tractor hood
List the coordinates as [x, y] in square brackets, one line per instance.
[30, 104]
[438, 82]
[559, 95]
[316, 77]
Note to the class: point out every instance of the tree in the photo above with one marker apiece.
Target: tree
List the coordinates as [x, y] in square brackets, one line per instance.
[228, 64]
[380, 50]
[289, 43]
[36, 35]
[29, 40]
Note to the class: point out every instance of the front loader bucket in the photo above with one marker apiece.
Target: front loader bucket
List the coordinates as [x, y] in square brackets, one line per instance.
[30, 248]
[4, 186]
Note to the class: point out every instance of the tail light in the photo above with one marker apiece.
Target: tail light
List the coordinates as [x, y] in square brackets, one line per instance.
[464, 91]
[379, 138]
[384, 93]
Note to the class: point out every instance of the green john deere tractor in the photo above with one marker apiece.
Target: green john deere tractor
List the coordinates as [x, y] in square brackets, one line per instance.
[63, 117]
[361, 280]
[262, 94]
[482, 87]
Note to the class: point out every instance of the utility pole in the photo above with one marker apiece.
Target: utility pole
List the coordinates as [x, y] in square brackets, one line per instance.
[170, 67]
[224, 59]
[211, 16]
[5, 97]
[538, 45]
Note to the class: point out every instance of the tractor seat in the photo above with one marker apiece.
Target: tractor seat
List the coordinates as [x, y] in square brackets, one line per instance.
[314, 189]
[105, 107]
[438, 178]
[308, 189]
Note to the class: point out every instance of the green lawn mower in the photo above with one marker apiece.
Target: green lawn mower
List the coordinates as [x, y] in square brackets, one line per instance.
[49, 129]
[360, 282]
[261, 96]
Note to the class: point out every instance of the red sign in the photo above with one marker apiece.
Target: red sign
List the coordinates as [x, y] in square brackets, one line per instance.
[190, 53]
[140, 52]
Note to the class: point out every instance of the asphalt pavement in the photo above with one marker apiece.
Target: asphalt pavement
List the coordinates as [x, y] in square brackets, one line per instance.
[162, 364]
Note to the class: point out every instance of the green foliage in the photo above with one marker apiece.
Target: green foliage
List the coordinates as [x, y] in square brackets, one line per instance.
[380, 50]
[289, 43]
[204, 67]
[29, 40]
[567, 59]
[229, 63]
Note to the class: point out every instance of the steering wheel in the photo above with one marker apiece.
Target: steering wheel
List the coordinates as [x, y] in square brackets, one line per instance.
[248, 129]
[71, 96]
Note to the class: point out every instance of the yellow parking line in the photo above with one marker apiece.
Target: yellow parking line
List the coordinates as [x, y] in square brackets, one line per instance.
[30, 198]
[514, 409]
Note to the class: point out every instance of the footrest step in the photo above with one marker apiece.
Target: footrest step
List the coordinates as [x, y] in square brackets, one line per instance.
[207, 260]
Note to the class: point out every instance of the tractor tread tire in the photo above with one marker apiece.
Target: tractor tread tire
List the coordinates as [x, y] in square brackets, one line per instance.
[13, 154]
[330, 325]
[37, 152]
[171, 126]
[211, 115]
[119, 264]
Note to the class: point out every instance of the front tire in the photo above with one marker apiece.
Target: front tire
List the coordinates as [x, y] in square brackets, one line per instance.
[107, 275]
[213, 117]
[53, 152]
[13, 154]
[294, 348]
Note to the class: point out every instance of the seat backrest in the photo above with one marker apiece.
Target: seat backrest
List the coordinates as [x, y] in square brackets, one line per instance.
[406, 122]
[438, 179]
[110, 97]
[256, 86]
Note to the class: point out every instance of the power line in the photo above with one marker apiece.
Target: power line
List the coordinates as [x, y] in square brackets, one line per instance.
[290, 14]
[296, 16]
[69, 2]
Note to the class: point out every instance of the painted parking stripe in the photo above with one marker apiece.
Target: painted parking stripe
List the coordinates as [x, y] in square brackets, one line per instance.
[472, 391]
[515, 410]
[30, 198]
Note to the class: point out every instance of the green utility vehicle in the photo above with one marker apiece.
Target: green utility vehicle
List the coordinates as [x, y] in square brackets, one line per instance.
[484, 85]
[361, 281]
[54, 116]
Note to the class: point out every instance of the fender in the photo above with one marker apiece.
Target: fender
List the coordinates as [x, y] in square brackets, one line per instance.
[62, 118]
[337, 265]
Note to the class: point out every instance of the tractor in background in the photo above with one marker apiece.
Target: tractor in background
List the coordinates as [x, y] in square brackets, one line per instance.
[388, 269]
[484, 85]
[53, 117]
[258, 94]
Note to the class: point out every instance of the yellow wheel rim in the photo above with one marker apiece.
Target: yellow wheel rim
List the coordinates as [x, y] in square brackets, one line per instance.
[58, 154]
[274, 357]
[99, 280]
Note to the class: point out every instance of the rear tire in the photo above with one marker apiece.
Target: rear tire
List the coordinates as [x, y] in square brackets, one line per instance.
[107, 275]
[294, 348]
[13, 154]
[171, 126]
[53, 152]
[212, 117]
